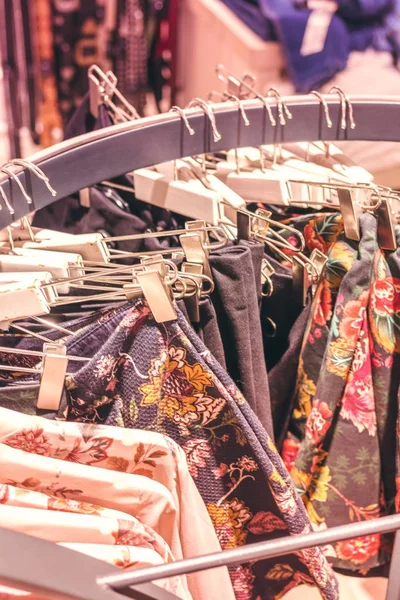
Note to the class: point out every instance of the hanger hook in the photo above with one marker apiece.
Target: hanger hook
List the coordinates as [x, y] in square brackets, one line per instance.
[378, 203]
[17, 181]
[224, 75]
[246, 121]
[344, 104]
[282, 107]
[107, 84]
[268, 108]
[6, 202]
[239, 102]
[210, 114]
[325, 106]
[184, 118]
[34, 169]
[25, 224]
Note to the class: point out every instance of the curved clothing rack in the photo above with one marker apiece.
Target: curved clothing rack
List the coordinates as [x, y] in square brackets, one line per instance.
[113, 151]
[108, 153]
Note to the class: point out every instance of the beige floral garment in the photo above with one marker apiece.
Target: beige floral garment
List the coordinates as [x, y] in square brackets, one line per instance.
[119, 456]
[106, 534]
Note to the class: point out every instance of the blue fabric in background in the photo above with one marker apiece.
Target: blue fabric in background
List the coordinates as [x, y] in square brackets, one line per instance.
[252, 16]
[356, 26]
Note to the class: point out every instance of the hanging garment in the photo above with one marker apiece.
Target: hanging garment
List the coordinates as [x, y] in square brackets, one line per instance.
[150, 502]
[85, 406]
[130, 52]
[103, 215]
[49, 115]
[383, 312]
[276, 323]
[137, 452]
[344, 384]
[282, 381]
[284, 330]
[236, 271]
[208, 331]
[27, 503]
[76, 27]
[106, 534]
[355, 27]
[110, 212]
[149, 376]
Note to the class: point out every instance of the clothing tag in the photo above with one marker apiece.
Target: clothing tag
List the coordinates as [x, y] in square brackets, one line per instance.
[316, 31]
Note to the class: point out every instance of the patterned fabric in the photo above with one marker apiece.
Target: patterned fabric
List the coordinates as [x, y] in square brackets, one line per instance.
[103, 533]
[341, 447]
[49, 115]
[137, 452]
[150, 376]
[76, 29]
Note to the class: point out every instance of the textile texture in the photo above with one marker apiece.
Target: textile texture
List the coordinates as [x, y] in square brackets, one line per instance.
[340, 449]
[149, 376]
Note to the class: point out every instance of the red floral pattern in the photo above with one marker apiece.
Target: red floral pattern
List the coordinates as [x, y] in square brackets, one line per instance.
[346, 384]
[323, 305]
[33, 441]
[358, 550]
[317, 423]
[289, 452]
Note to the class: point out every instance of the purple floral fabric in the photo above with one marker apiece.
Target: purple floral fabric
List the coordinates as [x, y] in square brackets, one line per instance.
[150, 376]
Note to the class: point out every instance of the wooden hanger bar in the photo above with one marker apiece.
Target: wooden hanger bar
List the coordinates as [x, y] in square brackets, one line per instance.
[113, 151]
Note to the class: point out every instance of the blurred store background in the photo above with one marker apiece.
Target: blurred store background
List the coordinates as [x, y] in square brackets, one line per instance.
[164, 52]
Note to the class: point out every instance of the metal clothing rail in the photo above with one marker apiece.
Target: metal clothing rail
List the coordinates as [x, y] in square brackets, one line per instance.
[113, 151]
[38, 566]
[278, 547]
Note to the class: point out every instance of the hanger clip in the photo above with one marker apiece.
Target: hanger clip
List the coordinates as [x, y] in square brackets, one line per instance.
[350, 212]
[157, 295]
[267, 270]
[153, 277]
[317, 267]
[54, 369]
[301, 283]
[21, 300]
[194, 251]
[192, 301]
[84, 197]
[386, 221]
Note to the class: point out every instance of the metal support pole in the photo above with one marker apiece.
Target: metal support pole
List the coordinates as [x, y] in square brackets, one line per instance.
[261, 550]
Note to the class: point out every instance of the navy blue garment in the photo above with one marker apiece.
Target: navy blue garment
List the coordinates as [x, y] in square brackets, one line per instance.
[252, 16]
[356, 26]
[290, 22]
[364, 9]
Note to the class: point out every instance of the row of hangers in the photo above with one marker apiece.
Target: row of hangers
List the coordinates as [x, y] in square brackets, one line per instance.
[43, 269]
[89, 260]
